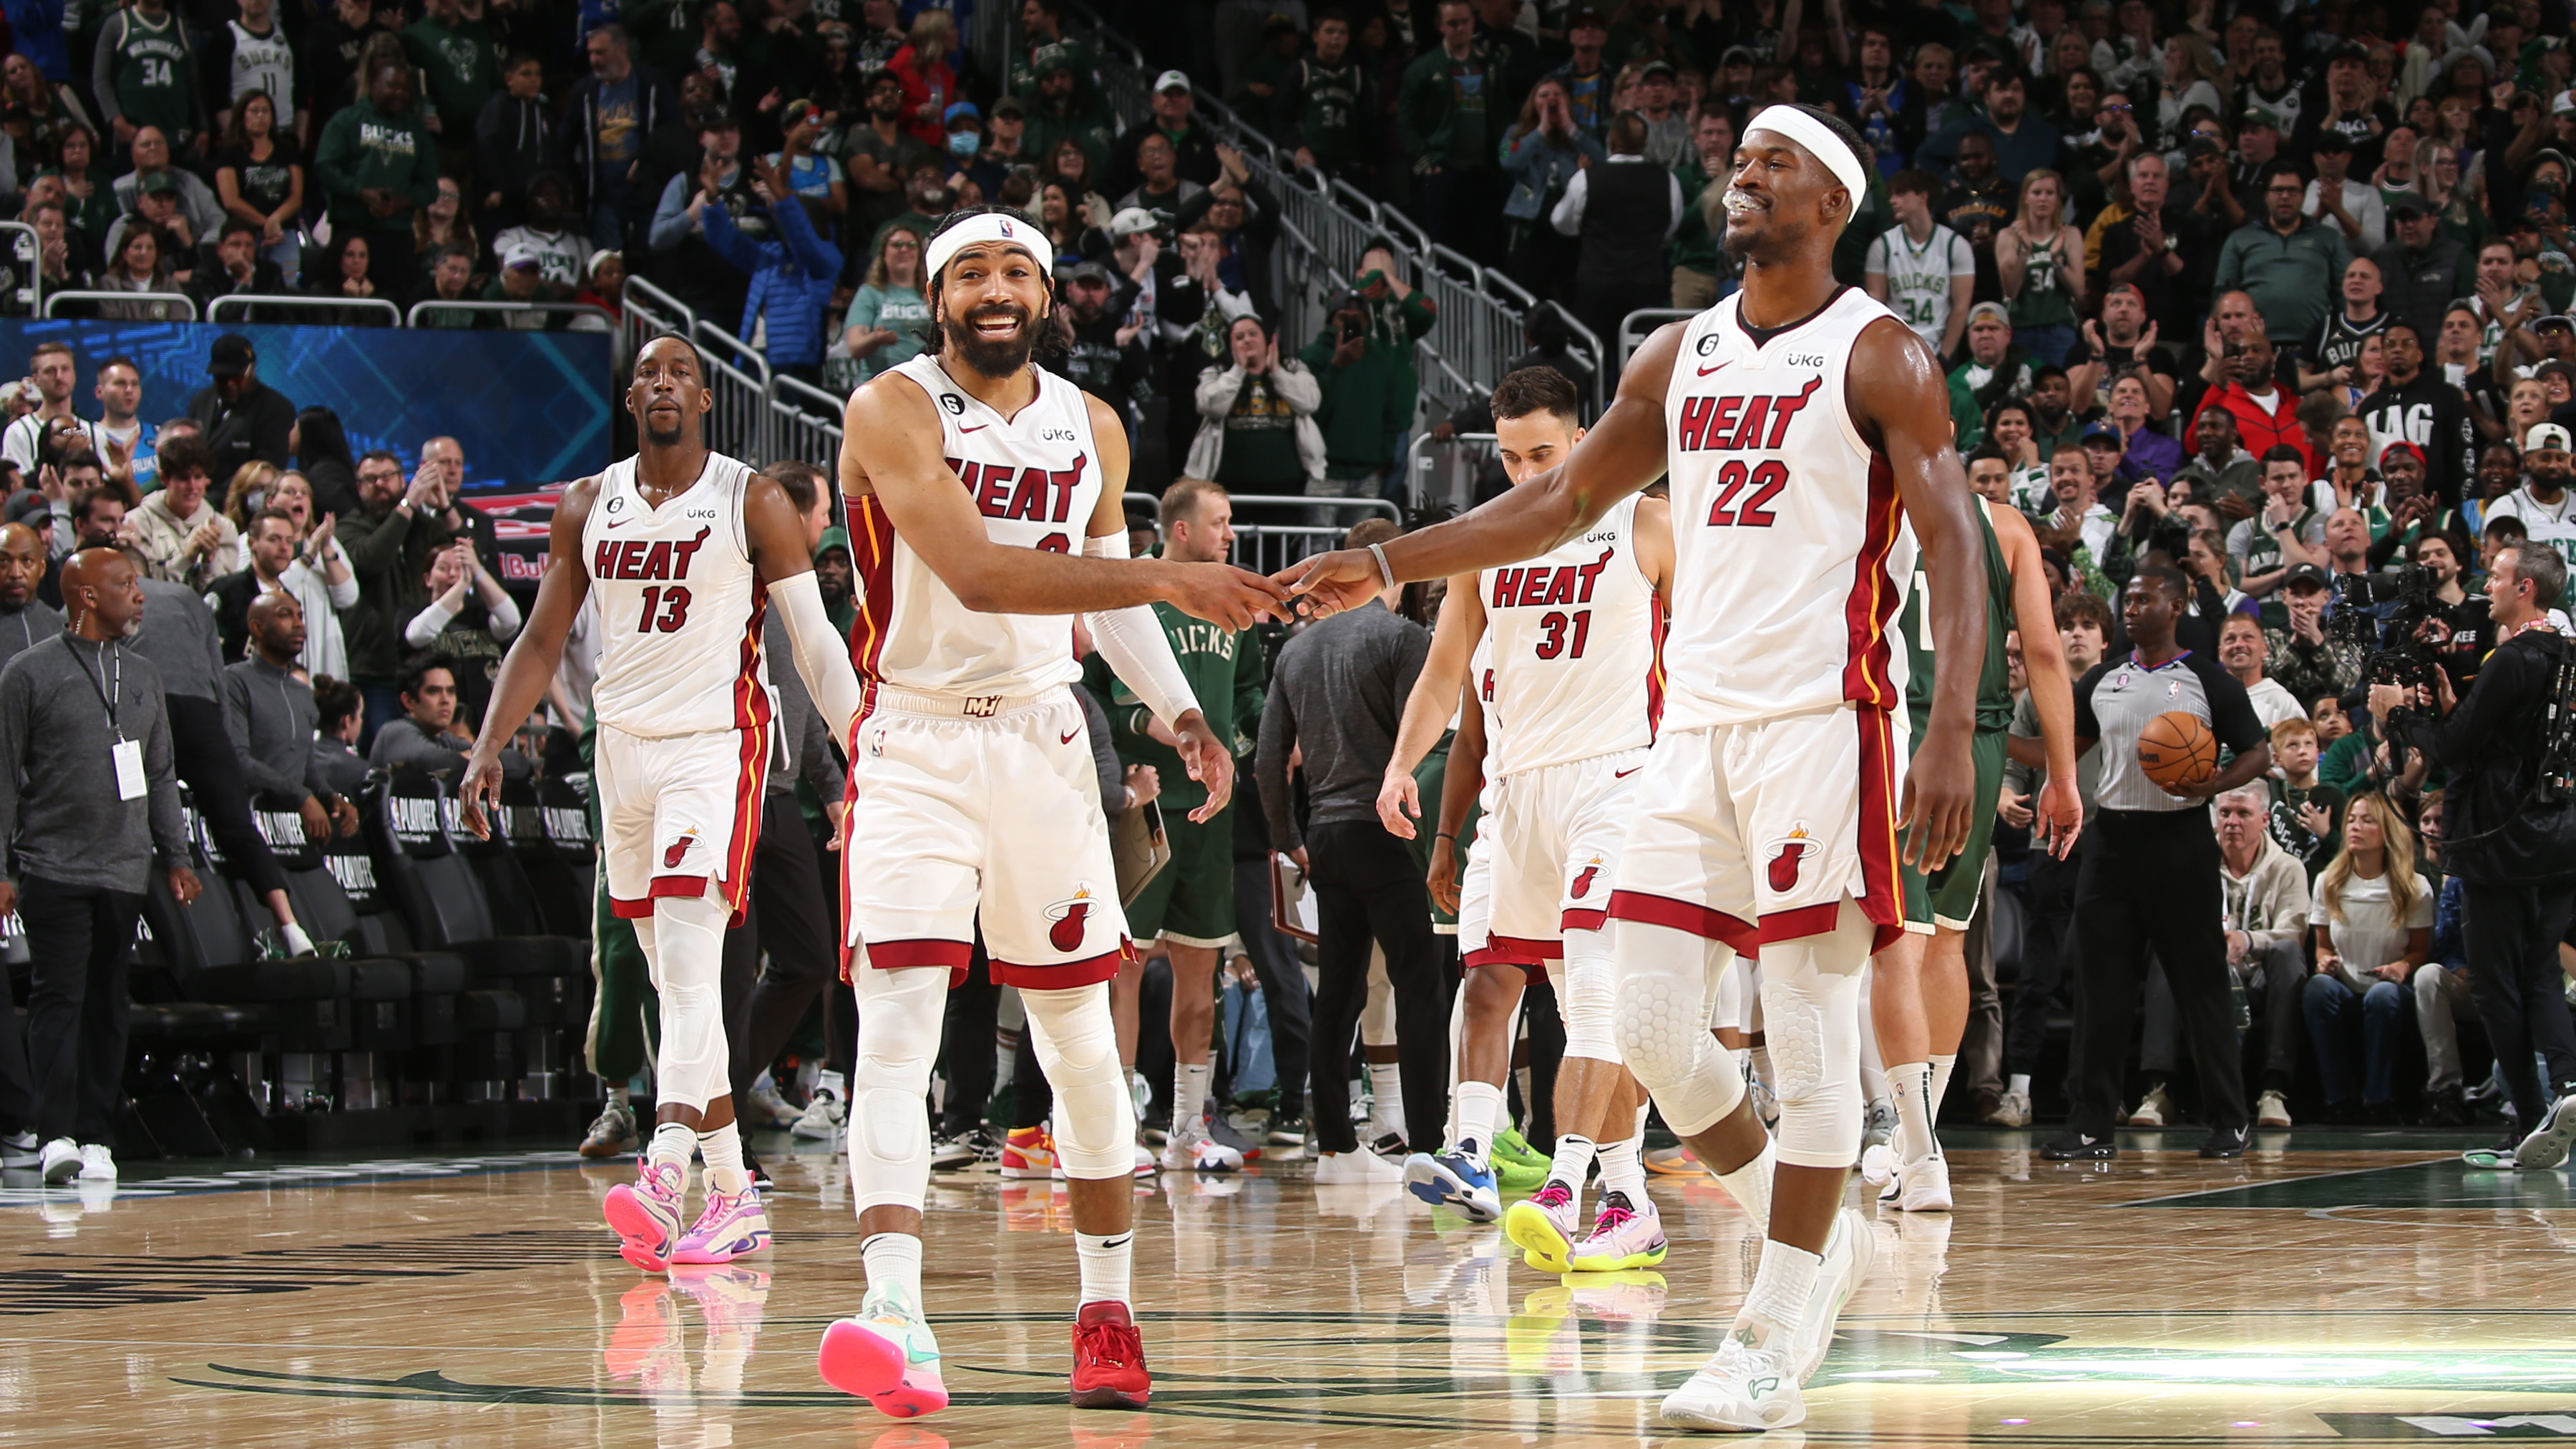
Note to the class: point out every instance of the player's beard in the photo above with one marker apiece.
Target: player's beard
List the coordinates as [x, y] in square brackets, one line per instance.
[663, 437]
[986, 355]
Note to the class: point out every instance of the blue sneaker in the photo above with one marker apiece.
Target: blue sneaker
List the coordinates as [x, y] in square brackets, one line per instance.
[1454, 1179]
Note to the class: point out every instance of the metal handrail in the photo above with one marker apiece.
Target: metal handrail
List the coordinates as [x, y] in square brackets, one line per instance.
[1632, 336]
[1153, 503]
[245, 301]
[29, 252]
[589, 309]
[164, 299]
[706, 331]
[1418, 465]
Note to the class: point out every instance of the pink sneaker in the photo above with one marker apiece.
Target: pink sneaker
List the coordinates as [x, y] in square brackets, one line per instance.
[887, 1356]
[1543, 1228]
[646, 1215]
[732, 1225]
[1623, 1236]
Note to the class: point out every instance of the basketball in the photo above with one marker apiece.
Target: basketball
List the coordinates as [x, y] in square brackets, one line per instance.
[2176, 748]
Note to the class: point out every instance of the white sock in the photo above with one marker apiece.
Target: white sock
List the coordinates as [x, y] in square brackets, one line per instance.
[893, 1263]
[2020, 1083]
[1386, 1096]
[833, 1085]
[1479, 1106]
[1521, 1079]
[297, 943]
[1573, 1162]
[1910, 1084]
[722, 1150]
[1105, 1262]
[1760, 1056]
[673, 1143]
[1189, 1097]
[1750, 1185]
[1777, 1302]
[619, 1094]
[1942, 1067]
[1622, 1170]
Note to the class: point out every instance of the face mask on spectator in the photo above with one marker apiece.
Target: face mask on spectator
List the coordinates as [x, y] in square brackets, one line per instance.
[964, 143]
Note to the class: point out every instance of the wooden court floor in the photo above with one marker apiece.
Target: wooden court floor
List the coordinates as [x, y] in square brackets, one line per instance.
[2302, 1296]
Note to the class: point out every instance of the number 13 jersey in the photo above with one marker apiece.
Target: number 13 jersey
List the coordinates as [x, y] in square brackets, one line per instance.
[1789, 543]
[1574, 672]
[679, 605]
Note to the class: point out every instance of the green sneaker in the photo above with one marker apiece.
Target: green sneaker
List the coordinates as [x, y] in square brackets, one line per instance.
[1510, 1146]
[1519, 1177]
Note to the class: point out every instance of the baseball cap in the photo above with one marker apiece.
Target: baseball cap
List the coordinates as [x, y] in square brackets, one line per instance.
[2566, 167]
[1083, 271]
[603, 256]
[2555, 322]
[1171, 80]
[1658, 67]
[2330, 139]
[797, 113]
[2545, 435]
[158, 181]
[718, 118]
[520, 256]
[2105, 431]
[1984, 310]
[2199, 146]
[2554, 368]
[1009, 106]
[2400, 445]
[1585, 17]
[962, 108]
[28, 505]
[1733, 54]
[1131, 221]
[2304, 574]
[2351, 50]
[2260, 116]
[2407, 203]
[231, 356]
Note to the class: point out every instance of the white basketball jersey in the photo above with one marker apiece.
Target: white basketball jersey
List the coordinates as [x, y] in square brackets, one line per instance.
[263, 63]
[1789, 544]
[680, 605]
[1035, 478]
[1574, 660]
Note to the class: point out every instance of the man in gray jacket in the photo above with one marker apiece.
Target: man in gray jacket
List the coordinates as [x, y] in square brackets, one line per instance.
[24, 620]
[88, 806]
[270, 715]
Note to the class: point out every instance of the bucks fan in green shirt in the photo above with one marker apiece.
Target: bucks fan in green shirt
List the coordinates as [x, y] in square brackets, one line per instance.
[1190, 903]
[144, 73]
[1919, 985]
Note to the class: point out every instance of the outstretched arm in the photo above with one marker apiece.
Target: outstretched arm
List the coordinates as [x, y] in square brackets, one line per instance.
[1903, 408]
[891, 448]
[1620, 455]
[2052, 688]
[1427, 709]
[532, 660]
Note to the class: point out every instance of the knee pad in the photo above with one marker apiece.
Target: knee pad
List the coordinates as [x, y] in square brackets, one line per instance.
[1588, 996]
[1077, 1045]
[1659, 1015]
[900, 1014]
[688, 958]
[1811, 990]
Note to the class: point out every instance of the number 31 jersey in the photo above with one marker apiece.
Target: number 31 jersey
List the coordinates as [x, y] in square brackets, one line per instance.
[680, 605]
[1574, 672]
[1789, 544]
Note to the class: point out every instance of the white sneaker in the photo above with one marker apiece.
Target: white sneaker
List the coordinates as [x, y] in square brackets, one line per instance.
[1927, 1186]
[1145, 1162]
[822, 1118]
[1361, 1166]
[2013, 1110]
[97, 1163]
[62, 1161]
[1880, 1123]
[1740, 1388]
[1848, 1253]
[765, 1108]
[2546, 1147]
[2271, 1110]
[1189, 1148]
[1878, 1164]
[2152, 1109]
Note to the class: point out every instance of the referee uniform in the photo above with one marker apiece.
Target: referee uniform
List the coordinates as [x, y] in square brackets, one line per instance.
[2150, 879]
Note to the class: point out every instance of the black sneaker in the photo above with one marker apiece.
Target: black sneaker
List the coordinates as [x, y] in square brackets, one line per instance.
[1391, 1147]
[2223, 1142]
[759, 1175]
[2446, 1108]
[1287, 1131]
[2074, 1146]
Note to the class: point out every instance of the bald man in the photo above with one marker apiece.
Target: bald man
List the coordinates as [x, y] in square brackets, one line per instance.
[89, 807]
[270, 714]
[24, 619]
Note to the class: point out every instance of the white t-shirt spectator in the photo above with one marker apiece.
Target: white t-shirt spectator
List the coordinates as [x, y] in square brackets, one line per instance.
[18, 444]
[2362, 202]
[2369, 936]
[2548, 522]
[2272, 702]
[1922, 281]
[563, 257]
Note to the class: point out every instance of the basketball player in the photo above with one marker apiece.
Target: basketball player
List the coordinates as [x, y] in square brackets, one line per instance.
[1573, 688]
[684, 549]
[1918, 995]
[1803, 425]
[975, 478]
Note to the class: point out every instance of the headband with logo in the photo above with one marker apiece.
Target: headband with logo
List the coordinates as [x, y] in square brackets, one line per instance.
[991, 227]
[1791, 124]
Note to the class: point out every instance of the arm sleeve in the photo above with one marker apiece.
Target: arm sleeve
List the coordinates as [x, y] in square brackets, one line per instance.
[1133, 641]
[822, 658]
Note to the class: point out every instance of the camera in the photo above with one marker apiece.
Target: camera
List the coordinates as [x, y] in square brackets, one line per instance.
[2385, 613]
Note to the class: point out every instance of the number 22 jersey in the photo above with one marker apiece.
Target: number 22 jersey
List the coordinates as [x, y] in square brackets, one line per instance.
[1789, 545]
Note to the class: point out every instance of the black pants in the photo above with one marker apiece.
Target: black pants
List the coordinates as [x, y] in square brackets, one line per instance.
[81, 939]
[1283, 980]
[1367, 888]
[2047, 944]
[2150, 879]
[967, 1040]
[201, 751]
[17, 1092]
[2512, 934]
[790, 918]
[1600, 305]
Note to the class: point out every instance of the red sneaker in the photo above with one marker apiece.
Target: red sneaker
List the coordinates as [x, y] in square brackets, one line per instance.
[1109, 1359]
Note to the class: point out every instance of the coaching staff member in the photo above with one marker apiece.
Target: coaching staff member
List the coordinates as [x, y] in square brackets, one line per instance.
[2515, 854]
[2150, 873]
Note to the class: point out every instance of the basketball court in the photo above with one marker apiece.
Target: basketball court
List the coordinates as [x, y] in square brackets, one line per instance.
[2329, 1288]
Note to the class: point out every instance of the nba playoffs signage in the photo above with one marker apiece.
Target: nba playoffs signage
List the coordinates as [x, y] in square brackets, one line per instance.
[532, 409]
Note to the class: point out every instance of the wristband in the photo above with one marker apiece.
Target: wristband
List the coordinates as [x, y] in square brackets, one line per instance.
[1445, 835]
[1385, 570]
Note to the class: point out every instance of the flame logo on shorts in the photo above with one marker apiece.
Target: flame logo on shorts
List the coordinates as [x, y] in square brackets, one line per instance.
[678, 851]
[1071, 919]
[1583, 880]
[1789, 856]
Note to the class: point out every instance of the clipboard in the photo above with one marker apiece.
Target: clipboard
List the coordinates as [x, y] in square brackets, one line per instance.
[1139, 850]
[1292, 901]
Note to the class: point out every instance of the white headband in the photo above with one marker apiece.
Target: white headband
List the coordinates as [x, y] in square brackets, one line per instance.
[1791, 124]
[990, 226]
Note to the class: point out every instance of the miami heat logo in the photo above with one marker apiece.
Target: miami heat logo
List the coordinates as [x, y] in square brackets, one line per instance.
[1789, 856]
[1072, 919]
[1583, 879]
[678, 850]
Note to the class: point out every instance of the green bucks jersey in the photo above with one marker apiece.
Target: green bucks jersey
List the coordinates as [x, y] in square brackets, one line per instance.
[1994, 673]
[1225, 670]
[155, 73]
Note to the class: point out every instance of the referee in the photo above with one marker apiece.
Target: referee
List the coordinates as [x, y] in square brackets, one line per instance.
[2150, 873]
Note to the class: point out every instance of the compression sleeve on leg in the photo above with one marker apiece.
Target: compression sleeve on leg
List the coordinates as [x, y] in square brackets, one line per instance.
[1138, 651]
[901, 1013]
[1811, 1004]
[822, 655]
[1077, 1043]
[1665, 981]
[688, 938]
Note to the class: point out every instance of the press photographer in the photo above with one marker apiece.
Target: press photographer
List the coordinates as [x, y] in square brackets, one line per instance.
[2509, 833]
